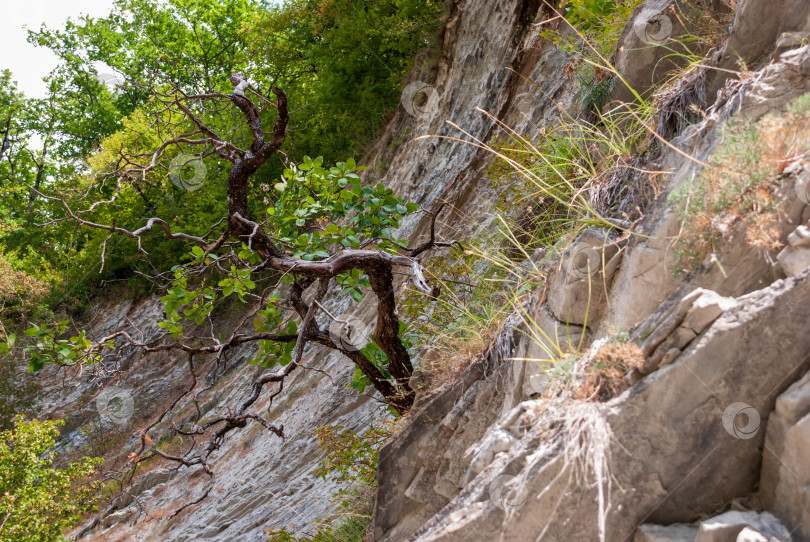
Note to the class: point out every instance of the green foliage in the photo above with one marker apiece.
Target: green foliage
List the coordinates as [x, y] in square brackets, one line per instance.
[39, 502]
[544, 181]
[46, 346]
[193, 43]
[349, 456]
[562, 373]
[594, 90]
[560, 165]
[317, 211]
[21, 294]
[342, 64]
[598, 21]
[471, 303]
[311, 203]
[557, 169]
[593, 16]
[352, 528]
[377, 357]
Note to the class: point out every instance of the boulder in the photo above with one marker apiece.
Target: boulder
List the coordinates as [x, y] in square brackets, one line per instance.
[792, 496]
[675, 449]
[752, 535]
[706, 309]
[791, 406]
[645, 49]
[578, 290]
[681, 325]
[728, 527]
[795, 257]
[756, 31]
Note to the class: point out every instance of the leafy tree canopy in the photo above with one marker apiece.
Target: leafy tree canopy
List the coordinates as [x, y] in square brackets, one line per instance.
[342, 64]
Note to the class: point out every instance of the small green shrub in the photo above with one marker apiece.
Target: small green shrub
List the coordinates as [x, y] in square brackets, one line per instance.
[602, 21]
[39, 502]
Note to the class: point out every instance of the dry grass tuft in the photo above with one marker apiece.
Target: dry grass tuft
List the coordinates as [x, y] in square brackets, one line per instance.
[763, 232]
[741, 184]
[606, 371]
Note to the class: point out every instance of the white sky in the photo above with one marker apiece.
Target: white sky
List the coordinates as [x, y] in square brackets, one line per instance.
[29, 64]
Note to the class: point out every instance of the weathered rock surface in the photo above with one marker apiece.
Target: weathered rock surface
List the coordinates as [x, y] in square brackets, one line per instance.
[795, 258]
[668, 533]
[641, 58]
[681, 325]
[261, 480]
[721, 343]
[732, 526]
[674, 452]
[738, 526]
[755, 33]
[785, 477]
[578, 292]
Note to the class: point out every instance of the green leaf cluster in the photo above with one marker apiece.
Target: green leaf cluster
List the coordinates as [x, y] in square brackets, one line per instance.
[317, 212]
[48, 346]
[39, 502]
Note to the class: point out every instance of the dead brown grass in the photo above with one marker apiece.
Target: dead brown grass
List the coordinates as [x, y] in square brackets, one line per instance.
[606, 371]
[742, 184]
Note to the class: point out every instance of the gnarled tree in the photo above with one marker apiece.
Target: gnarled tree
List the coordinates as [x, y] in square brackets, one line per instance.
[323, 228]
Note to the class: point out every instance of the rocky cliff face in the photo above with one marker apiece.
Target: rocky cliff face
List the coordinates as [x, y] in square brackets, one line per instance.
[492, 455]
[711, 419]
[260, 480]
